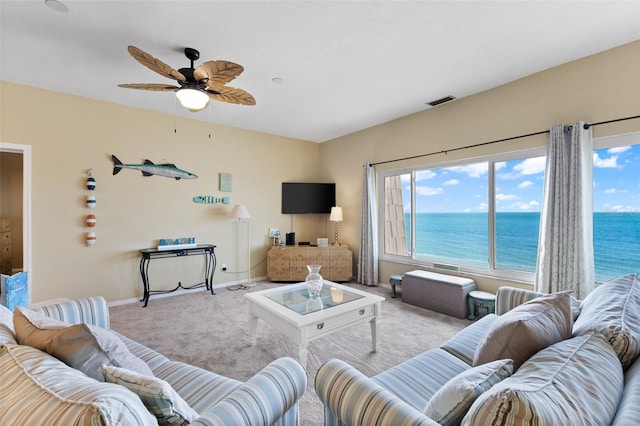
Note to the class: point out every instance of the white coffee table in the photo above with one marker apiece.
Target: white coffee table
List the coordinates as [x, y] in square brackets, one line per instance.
[290, 310]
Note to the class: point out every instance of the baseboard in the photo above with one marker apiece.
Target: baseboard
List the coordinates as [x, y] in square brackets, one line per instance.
[183, 291]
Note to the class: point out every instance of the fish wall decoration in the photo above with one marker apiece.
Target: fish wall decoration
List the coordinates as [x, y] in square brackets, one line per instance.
[210, 199]
[150, 169]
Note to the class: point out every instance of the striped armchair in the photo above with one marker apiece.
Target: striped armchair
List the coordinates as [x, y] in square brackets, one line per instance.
[268, 398]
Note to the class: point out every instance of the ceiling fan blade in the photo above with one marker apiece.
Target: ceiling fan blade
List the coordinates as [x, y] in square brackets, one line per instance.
[155, 64]
[217, 73]
[231, 95]
[150, 86]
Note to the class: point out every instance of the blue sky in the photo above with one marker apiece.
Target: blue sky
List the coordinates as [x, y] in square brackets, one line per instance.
[519, 185]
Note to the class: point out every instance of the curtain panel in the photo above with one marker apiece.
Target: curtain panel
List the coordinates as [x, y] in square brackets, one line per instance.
[368, 256]
[565, 244]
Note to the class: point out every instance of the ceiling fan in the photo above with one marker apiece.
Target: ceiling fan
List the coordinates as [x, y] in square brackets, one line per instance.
[196, 85]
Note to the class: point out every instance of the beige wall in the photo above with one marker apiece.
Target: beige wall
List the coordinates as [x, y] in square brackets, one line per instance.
[69, 135]
[597, 88]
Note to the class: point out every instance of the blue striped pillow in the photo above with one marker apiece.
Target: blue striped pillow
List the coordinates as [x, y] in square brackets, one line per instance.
[449, 404]
[577, 381]
[156, 394]
[613, 310]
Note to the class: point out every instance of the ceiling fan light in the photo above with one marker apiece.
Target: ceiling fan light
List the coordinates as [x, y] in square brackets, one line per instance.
[192, 99]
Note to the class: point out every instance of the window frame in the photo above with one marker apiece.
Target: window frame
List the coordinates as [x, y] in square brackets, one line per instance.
[506, 275]
[492, 272]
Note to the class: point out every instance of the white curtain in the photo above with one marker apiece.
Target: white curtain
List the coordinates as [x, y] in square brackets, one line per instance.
[565, 245]
[368, 259]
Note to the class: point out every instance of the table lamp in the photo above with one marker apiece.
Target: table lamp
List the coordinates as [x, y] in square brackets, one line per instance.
[336, 216]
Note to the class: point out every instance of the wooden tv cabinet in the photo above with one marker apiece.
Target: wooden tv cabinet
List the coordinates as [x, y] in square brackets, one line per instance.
[289, 263]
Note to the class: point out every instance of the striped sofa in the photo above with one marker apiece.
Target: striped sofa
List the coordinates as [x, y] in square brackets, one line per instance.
[37, 388]
[590, 377]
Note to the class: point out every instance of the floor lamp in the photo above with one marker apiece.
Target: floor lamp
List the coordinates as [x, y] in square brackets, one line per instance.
[240, 212]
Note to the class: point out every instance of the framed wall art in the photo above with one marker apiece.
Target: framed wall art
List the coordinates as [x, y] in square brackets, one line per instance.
[225, 182]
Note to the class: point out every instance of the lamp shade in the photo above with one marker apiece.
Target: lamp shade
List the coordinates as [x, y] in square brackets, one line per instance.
[336, 214]
[239, 211]
[192, 99]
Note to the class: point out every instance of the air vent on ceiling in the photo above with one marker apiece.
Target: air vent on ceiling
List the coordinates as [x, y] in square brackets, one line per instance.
[441, 101]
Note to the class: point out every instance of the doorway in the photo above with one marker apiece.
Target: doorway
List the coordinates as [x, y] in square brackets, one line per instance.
[15, 209]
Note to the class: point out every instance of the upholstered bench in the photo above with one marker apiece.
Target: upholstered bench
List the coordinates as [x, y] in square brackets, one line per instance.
[442, 293]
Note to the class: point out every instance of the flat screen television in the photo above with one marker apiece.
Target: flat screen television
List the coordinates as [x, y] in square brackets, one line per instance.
[307, 197]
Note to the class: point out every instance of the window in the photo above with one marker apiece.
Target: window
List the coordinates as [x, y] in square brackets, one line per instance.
[453, 212]
[616, 206]
[451, 215]
[518, 196]
[483, 216]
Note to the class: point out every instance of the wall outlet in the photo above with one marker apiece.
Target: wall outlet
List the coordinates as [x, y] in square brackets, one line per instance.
[224, 266]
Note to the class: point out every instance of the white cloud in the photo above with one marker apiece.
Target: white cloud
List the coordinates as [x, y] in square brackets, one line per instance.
[500, 165]
[527, 167]
[605, 163]
[425, 174]
[525, 184]
[610, 191]
[405, 178]
[531, 166]
[618, 150]
[504, 197]
[624, 209]
[525, 206]
[426, 190]
[452, 182]
[472, 170]
[483, 206]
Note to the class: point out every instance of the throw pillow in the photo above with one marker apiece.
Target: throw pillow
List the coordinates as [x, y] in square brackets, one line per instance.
[5, 315]
[7, 336]
[452, 401]
[84, 347]
[156, 394]
[526, 329]
[613, 310]
[578, 381]
[38, 389]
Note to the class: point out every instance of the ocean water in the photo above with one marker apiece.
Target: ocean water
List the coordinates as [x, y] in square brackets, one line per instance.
[462, 238]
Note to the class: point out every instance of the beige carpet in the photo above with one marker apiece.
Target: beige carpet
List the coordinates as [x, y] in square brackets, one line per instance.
[211, 331]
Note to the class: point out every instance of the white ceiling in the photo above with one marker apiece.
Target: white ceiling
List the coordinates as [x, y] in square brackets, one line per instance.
[344, 65]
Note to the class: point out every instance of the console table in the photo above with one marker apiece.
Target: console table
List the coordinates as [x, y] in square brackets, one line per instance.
[289, 263]
[206, 250]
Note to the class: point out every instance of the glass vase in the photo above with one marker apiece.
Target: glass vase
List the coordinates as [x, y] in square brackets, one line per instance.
[314, 304]
[314, 280]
